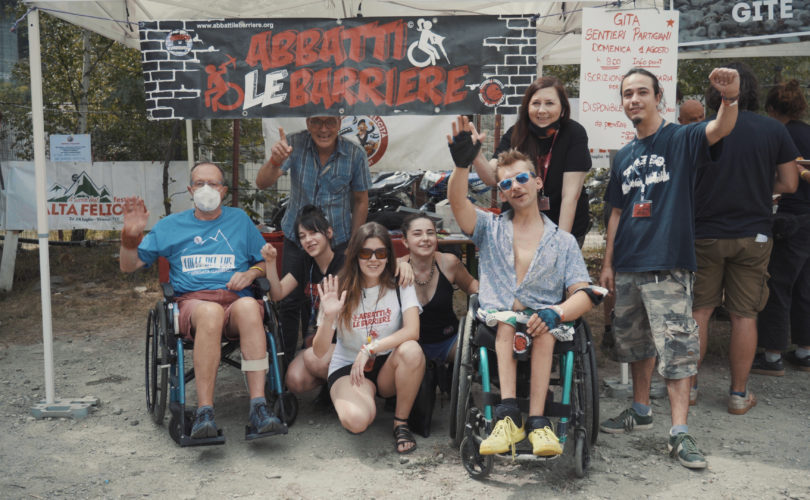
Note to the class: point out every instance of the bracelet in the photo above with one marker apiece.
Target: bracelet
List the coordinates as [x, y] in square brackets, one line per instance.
[258, 269]
[801, 175]
[730, 101]
[370, 349]
[130, 242]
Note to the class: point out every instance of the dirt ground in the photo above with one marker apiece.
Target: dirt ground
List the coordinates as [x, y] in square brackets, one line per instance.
[118, 452]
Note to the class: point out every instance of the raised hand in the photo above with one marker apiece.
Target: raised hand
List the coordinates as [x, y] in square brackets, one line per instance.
[280, 150]
[331, 298]
[726, 81]
[269, 253]
[465, 142]
[135, 216]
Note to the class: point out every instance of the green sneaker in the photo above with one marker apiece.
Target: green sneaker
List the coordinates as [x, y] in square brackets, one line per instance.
[626, 422]
[684, 447]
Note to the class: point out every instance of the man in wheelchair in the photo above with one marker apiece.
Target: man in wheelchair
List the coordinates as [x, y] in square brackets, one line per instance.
[526, 264]
[214, 254]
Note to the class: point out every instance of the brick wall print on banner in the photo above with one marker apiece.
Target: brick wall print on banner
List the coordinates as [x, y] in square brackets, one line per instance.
[300, 67]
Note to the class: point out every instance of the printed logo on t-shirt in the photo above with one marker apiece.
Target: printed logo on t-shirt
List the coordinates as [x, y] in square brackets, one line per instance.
[640, 173]
[212, 261]
[369, 319]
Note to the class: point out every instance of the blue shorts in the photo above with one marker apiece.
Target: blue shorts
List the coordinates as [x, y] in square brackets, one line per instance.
[440, 350]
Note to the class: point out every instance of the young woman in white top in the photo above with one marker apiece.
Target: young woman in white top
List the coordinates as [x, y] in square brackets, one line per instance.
[377, 326]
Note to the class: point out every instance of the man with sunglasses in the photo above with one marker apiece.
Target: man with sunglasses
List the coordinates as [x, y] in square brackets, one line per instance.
[214, 254]
[330, 172]
[526, 264]
[650, 255]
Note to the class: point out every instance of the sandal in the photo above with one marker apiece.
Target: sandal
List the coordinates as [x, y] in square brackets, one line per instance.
[402, 435]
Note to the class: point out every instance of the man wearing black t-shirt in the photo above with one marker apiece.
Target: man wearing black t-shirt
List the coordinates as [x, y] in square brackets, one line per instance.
[733, 240]
[650, 255]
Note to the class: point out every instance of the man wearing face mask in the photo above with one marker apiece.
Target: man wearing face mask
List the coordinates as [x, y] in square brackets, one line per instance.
[214, 254]
[329, 172]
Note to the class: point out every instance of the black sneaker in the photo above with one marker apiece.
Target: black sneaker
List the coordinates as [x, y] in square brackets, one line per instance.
[762, 366]
[683, 447]
[802, 364]
[204, 426]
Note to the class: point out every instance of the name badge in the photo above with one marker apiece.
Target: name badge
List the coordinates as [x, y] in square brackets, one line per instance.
[543, 203]
[642, 209]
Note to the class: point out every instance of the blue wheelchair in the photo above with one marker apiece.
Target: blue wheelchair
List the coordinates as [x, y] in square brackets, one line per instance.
[166, 374]
[573, 395]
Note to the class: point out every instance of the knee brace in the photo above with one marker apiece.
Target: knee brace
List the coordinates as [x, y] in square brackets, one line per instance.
[256, 365]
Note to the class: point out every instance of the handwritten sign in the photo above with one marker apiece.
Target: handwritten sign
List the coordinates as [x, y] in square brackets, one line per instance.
[613, 43]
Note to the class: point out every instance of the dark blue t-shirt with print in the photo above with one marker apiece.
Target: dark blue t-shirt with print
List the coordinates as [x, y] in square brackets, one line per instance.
[663, 165]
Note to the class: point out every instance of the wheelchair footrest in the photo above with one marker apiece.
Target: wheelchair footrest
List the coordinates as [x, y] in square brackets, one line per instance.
[211, 441]
[251, 434]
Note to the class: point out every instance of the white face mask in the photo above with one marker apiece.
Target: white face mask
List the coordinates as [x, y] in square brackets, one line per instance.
[206, 198]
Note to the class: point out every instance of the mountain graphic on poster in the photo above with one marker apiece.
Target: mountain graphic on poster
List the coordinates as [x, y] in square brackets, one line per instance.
[83, 187]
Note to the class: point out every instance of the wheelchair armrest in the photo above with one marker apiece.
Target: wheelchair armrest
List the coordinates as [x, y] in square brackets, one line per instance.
[261, 285]
[168, 290]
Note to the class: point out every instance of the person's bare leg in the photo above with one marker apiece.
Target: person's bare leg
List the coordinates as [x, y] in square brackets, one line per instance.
[246, 319]
[642, 371]
[402, 375]
[307, 371]
[678, 390]
[206, 319]
[355, 405]
[542, 354]
[507, 364]
[742, 350]
[702, 317]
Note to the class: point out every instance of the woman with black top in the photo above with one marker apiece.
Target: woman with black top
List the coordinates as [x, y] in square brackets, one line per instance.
[307, 371]
[435, 274]
[558, 146]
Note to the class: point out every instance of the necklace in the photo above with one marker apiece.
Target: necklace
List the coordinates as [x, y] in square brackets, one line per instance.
[430, 278]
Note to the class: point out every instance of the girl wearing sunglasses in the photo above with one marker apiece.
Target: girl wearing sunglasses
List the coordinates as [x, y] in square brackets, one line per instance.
[377, 326]
[558, 148]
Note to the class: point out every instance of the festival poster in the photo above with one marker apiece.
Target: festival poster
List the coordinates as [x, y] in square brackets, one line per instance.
[613, 42]
[360, 66]
[89, 195]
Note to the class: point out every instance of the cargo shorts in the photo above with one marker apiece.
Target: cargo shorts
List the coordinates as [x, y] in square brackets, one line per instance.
[653, 315]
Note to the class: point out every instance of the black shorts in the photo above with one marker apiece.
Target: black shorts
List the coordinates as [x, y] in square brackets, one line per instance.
[345, 371]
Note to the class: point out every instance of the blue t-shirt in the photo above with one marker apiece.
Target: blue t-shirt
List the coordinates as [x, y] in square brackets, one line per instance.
[733, 195]
[330, 187]
[798, 202]
[203, 255]
[557, 264]
[664, 164]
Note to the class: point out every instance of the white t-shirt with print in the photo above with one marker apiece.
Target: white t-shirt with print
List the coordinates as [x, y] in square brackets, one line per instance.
[375, 316]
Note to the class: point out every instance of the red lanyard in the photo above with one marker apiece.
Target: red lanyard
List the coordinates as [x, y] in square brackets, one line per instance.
[547, 160]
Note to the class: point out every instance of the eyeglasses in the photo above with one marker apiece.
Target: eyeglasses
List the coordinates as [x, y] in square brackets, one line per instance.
[199, 184]
[317, 123]
[521, 178]
[366, 253]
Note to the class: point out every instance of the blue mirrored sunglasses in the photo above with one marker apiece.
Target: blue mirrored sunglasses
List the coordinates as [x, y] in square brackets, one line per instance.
[521, 178]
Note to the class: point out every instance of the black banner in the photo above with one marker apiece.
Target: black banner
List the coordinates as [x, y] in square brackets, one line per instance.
[302, 67]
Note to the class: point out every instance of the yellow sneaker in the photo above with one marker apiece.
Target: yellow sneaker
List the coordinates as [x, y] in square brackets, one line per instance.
[545, 443]
[503, 437]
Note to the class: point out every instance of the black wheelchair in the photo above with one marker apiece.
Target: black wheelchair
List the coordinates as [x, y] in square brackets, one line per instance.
[166, 374]
[573, 394]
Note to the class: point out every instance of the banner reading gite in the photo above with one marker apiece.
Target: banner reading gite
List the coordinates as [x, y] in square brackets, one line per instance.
[363, 66]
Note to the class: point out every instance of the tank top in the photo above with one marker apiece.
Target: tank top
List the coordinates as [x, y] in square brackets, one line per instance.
[438, 322]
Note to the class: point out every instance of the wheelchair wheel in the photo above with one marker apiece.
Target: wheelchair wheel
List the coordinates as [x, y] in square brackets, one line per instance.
[156, 373]
[589, 388]
[477, 466]
[462, 380]
[582, 453]
[289, 403]
[174, 426]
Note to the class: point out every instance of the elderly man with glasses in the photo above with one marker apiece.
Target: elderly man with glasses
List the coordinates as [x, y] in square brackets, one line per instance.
[330, 172]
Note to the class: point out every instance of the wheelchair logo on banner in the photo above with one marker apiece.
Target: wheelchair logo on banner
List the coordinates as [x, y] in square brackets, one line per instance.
[427, 44]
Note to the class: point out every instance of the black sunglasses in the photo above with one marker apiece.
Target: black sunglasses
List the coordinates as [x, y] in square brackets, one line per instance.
[366, 253]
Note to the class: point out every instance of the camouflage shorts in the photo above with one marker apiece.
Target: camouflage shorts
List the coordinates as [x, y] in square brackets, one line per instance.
[653, 315]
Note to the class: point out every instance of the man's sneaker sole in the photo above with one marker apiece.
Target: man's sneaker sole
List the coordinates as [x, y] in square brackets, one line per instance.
[772, 373]
[751, 401]
[637, 427]
[687, 464]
